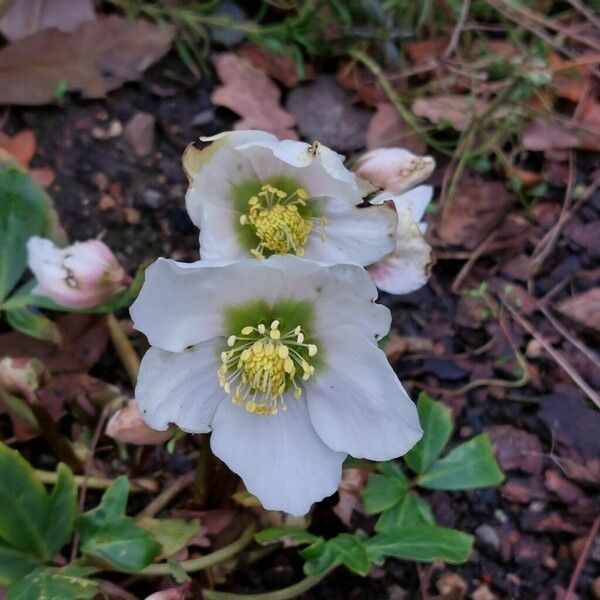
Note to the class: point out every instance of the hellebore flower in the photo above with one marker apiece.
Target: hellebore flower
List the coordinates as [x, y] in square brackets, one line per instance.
[82, 275]
[127, 425]
[254, 195]
[279, 359]
[395, 171]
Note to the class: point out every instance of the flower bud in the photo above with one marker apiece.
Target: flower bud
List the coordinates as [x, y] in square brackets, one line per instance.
[177, 593]
[394, 170]
[83, 275]
[126, 425]
[22, 375]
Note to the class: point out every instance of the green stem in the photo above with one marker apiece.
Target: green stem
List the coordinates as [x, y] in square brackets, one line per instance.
[203, 562]
[99, 483]
[289, 592]
[124, 348]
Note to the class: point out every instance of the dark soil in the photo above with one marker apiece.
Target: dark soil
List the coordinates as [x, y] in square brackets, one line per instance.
[528, 533]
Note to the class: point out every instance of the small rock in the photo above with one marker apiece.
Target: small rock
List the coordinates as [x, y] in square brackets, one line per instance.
[152, 198]
[114, 129]
[204, 117]
[106, 202]
[483, 592]
[395, 592]
[139, 134]
[101, 181]
[132, 215]
[488, 536]
[528, 552]
[451, 586]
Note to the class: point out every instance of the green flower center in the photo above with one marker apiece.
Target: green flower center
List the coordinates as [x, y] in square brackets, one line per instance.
[262, 363]
[278, 221]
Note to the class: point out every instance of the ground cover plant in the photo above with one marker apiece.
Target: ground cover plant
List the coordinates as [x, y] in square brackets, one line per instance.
[415, 415]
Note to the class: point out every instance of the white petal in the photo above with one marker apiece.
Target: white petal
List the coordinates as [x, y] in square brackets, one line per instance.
[417, 200]
[219, 235]
[352, 235]
[183, 304]
[356, 403]
[180, 387]
[407, 268]
[280, 458]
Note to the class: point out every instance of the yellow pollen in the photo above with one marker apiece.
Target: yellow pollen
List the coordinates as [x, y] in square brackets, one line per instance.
[278, 222]
[263, 365]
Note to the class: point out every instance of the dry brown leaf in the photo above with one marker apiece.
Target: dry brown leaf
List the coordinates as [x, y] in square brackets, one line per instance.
[277, 66]
[457, 110]
[387, 129]
[583, 308]
[248, 92]
[22, 148]
[542, 135]
[474, 210]
[23, 18]
[98, 57]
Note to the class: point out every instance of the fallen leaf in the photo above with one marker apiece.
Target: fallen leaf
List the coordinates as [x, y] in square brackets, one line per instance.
[584, 235]
[325, 112]
[357, 79]
[275, 65]
[459, 111]
[476, 208]
[424, 51]
[583, 308]
[250, 93]
[97, 57]
[21, 147]
[542, 135]
[568, 492]
[516, 449]
[387, 129]
[21, 19]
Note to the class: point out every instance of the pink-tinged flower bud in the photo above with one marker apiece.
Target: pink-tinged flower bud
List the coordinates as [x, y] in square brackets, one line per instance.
[394, 170]
[83, 275]
[177, 593]
[126, 425]
[22, 375]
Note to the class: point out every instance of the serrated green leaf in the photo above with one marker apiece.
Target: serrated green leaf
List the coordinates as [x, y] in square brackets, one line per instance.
[15, 564]
[62, 510]
[171, 534]
[436, 421]
[423, 543]
[351, 552]
[382, 492]
[411, 510]
[24, 505]
[470, 465]
[23, 213]
[33, 324]
[52, 584]
[319, 557]
[110, 537]
[293, 535]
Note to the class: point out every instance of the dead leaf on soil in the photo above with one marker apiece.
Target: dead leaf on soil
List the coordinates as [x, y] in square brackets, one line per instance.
[516, 449]
[387, 129]
[476, 208]
[542, 135]
[250, 93]
[325, 111]
[97, 57]
[277, 66]
[21, 147]
[459, 111]
[583, 308]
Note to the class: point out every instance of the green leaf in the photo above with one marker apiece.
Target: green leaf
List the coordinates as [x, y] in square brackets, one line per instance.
[470, 465]
[53, 584]
[171, 534]
[382, 492]
[392, 469]
[62, 510]
[33, 324]
[109, 537]
[24, 505]
[351, 552]
[14, 564]
[424, 543]
[319, 557]
[23, 213]
[436, 421]
[294, 535]
[411, 510]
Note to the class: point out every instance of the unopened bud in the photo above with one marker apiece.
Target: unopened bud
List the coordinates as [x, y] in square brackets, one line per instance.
[127, 425]
[22, 375]
[394, 170]
[83, 275]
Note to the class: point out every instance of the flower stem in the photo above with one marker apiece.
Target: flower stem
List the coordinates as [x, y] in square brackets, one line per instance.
[208, 560]
[204, 470]
[100, 483]
[124, 348]
[283, 594]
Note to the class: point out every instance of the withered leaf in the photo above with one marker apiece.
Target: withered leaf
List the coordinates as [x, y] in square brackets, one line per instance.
[583, 308]
[250, 93]
[97, 57]
[459, 111]
[387, 129]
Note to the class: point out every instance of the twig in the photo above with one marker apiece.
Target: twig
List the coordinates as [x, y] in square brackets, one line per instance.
[100, 483]
[582, 559]
[586, 12]
[466, 268]
[124, 348]
[464, 13]
[168, 494]
[555, 354]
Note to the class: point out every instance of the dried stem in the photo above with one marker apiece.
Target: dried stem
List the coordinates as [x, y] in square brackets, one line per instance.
[168, 494]
[100, 483]
[124, 348]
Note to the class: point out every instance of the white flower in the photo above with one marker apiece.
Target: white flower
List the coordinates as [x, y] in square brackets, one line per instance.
[279, 359]
[406, 268]
[82, 275]
[254, 195]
